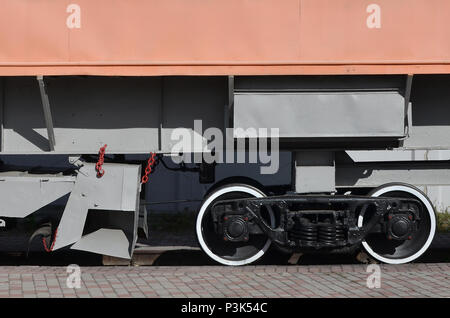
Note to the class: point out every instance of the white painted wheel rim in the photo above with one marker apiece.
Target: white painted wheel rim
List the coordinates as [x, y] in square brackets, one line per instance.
[430, 210]
[238, 188]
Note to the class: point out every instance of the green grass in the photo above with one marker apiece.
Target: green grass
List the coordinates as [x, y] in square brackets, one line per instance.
[443, 222]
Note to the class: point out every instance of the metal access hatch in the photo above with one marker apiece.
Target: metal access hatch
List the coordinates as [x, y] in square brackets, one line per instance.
[324, 111]
[322, 114]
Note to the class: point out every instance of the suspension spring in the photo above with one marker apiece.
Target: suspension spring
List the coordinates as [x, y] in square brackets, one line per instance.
[304, 232]
[327, 234]
[340, 232]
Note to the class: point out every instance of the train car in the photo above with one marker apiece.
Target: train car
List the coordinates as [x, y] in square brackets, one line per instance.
[356, 90]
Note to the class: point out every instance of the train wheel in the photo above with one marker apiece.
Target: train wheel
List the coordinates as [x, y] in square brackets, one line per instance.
[402, 251]
[231, 253]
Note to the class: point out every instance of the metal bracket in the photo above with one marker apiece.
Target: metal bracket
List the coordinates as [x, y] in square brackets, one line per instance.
[229, 110]
[409, 79]
[47, 113]
[76, 161]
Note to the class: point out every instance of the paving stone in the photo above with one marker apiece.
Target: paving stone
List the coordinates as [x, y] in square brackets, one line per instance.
[412, 280]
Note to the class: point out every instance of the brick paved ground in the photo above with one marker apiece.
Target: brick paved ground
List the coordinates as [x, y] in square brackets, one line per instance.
[412, 280]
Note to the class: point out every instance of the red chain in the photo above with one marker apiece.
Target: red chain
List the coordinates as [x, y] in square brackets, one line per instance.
[53, 243]
[148, 169]
[100, 162]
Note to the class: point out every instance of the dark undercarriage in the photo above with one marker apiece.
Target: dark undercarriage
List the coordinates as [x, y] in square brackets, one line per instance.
[312, 222]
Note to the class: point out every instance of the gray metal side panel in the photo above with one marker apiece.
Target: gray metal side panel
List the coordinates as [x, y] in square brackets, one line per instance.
[373, 175]
[130, 115]
[399, 155]
[87, 113]
[322, 114]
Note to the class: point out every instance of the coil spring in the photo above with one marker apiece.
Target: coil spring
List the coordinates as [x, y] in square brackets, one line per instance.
[306, 233]
[327, 234]
[340, 232]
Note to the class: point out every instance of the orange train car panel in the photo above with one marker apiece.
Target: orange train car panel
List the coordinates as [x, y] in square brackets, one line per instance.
[222, 37]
